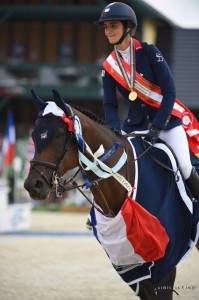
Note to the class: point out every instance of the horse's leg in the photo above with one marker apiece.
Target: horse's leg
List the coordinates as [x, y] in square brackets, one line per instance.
[145, 290]
[164, 288]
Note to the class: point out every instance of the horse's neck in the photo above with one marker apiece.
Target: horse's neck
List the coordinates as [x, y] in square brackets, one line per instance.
[109, 193]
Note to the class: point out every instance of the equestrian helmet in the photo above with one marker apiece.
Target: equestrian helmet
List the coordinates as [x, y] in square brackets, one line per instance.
[118, 11]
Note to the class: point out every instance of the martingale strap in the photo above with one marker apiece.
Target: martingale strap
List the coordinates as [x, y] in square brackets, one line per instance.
[97, 166]
[102, 170]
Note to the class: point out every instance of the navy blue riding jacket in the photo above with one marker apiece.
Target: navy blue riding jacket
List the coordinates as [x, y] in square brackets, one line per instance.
[151, 64]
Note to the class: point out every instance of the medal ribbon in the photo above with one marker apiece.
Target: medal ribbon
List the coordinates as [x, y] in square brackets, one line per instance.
[130, 82]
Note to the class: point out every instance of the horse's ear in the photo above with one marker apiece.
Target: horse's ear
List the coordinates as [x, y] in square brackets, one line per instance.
[60, 103]
[41, 104]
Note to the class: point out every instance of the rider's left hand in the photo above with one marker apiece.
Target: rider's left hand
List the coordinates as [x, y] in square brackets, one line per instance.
[153, 135]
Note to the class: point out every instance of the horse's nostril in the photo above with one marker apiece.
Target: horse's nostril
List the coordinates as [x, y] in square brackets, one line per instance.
[38, 184]
[37, 189]
[34, 186]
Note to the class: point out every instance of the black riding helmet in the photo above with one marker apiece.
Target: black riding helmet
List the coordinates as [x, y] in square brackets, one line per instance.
[119, 11]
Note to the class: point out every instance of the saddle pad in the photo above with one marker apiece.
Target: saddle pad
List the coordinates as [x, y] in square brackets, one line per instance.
[158, 192]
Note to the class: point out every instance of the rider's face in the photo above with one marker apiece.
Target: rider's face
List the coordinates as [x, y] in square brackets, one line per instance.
[113, 31]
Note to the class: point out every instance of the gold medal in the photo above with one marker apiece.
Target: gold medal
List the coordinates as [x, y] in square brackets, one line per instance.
[133, 96]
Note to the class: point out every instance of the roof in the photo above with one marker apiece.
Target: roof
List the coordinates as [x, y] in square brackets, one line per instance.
[180, 13]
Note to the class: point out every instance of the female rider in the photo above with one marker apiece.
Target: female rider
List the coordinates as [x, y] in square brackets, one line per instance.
[141, 75]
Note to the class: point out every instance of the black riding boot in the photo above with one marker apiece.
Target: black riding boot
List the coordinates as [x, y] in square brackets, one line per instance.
[193, 183]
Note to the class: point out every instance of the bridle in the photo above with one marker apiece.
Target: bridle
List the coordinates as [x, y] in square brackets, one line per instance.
[54, 183]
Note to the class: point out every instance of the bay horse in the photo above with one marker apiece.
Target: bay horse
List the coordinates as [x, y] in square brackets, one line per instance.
[145, 227]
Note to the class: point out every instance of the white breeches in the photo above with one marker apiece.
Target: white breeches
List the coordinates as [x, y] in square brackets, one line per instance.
[177, 140]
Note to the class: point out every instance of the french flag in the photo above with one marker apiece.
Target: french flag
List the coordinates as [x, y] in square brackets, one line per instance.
[9, 141]
[133, 236]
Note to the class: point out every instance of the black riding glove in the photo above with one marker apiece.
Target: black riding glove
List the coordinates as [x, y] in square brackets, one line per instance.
[117, 131]
[153, 134]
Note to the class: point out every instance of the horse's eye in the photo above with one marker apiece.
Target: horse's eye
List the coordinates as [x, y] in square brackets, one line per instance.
[59, 135]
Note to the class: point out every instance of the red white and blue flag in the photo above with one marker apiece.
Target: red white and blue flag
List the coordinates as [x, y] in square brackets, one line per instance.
[9, 141]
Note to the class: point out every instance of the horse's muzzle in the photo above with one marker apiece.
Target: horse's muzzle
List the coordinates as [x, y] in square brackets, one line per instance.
[37, 188]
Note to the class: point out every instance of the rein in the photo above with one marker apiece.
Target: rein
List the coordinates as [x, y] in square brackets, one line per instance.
[73, 184]
[152, 157]
[80, 187]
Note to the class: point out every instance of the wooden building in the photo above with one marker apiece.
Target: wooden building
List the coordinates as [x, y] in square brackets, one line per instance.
[47, 44]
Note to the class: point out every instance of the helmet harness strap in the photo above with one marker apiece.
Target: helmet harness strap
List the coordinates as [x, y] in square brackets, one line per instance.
[125, 33]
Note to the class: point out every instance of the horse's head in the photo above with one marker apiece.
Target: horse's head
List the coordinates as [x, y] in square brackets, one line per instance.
[52, 137]
[65, 138]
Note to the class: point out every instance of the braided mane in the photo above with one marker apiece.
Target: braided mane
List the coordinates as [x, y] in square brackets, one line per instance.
[91, 115]
[95, 118]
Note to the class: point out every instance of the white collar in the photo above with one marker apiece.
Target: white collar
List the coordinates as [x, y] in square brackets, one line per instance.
[125, 54]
